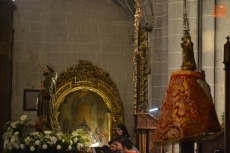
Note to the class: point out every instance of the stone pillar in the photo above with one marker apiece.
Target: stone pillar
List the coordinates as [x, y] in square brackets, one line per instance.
[6, 34]
[208, 44]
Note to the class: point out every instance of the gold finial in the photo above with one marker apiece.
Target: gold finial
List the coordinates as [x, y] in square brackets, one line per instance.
[188, 60]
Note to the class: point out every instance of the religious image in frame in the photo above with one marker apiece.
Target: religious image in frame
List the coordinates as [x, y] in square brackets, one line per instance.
[87, 110]
[30, 99]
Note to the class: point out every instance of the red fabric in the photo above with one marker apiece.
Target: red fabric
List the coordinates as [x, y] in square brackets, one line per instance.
[187, 111]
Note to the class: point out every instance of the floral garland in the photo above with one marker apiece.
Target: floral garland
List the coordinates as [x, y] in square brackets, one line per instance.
[14, 139]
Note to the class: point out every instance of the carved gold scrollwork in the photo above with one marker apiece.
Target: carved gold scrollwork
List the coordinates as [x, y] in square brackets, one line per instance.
[140, 63]
[86, 76]
[145, 124]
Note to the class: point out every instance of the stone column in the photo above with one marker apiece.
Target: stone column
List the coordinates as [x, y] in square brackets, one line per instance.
[6, 38]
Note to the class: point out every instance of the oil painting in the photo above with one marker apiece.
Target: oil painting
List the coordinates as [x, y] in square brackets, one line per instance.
[85, 109]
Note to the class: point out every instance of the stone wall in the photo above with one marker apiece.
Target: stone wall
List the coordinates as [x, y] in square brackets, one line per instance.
[222, 30]
[61, 32]
[158, 43]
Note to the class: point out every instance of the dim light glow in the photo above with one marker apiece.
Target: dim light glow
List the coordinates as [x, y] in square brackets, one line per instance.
[154, 109]
[95, 144]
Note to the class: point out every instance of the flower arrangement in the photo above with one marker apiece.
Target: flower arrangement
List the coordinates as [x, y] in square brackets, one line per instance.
[76, 141]
[42, 141]
[14, 133]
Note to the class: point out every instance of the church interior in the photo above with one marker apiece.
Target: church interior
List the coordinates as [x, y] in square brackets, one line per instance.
[161, 67]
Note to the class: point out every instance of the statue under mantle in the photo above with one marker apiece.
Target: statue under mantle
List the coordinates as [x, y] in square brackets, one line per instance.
[187, 111]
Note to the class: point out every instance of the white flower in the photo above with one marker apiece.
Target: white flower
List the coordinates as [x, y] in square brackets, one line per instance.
[23, 117]
[32, 148]
[47, 132]
[22, 146]
[80, 145]
[53, 140]
[27, 140]
[69, 147]
[63, 140]
[71, 142]
[34, 133]
[75, 139]
[75, 134]
[16, 133]
[58, 147]
[44, 146]
[13, 125]
[37, 142]
[12, 139]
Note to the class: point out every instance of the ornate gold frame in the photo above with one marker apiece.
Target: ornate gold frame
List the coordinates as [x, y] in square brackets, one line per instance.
[86, 76]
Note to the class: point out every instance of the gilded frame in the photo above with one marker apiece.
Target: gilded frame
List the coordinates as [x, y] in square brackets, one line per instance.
[86, 76]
